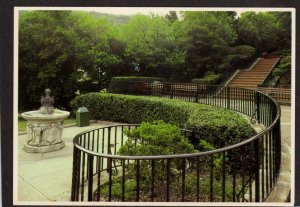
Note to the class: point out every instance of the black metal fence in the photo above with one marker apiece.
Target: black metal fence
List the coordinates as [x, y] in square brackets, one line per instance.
[243, 172]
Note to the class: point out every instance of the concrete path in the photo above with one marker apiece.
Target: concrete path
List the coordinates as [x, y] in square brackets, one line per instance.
[282, 189]
[48, 176]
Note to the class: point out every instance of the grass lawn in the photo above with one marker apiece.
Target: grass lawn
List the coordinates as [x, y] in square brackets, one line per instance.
[22, 123]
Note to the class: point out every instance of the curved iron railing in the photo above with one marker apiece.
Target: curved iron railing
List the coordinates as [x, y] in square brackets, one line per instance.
[243, 172]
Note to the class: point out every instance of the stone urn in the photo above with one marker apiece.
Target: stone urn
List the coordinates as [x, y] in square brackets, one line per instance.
[45, 127]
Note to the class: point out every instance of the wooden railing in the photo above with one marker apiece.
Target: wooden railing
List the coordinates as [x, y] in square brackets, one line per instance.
[281, 94]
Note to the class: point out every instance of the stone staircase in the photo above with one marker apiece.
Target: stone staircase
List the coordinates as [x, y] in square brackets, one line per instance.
[255, 75]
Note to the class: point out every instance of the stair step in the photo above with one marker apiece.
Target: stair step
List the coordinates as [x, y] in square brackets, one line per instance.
[255, 76]
[243, 85]
[242, 77]
[247, 82]
[248, 77]
[256, 72]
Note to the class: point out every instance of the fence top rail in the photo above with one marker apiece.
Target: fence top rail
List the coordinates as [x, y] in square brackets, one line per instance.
[190, 155]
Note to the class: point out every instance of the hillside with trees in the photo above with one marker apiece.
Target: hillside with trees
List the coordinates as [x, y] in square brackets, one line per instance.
[73, 52]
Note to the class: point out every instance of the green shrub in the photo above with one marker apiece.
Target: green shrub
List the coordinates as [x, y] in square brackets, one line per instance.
[209, 78]
[124, 84]
[244, 51]
[282, 52]
[156, 138]
[216, 125]
[283, 67]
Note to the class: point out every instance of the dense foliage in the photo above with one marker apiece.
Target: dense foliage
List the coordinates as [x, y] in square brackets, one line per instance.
[74, 52]
[218, 126]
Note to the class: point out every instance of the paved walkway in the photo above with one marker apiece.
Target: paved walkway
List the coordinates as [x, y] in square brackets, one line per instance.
[48, 176]
[282, 189]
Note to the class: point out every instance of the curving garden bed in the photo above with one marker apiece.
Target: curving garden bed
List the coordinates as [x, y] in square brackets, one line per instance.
[245, 168]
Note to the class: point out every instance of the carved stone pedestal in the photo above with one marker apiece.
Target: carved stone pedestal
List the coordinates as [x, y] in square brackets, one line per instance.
[44, 131]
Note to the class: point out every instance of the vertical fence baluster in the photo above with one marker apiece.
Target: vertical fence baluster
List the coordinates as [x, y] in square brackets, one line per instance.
[223, 176]
[122, 135]
[257, 168]
[198, 178]
[270, 158]
[250, 185]
[109, 166]
[108, 147]
[267, 164]
[78, 176]
[98, 178]
[262, 167]
[168, 180]
[123, 179]
[228, 97]
[233, 177]
[137, 180]
[93, 140]
[211, 178]
[243, 175]
[90, 177]
[74, 173]
[258, 107]
[103, 134]
[116, 133]
[98, 137]
[183, 181]
[152, 179]
[82, 176]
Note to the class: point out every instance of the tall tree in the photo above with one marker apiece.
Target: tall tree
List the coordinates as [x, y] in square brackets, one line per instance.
[149, 43]
[207, 38]
[172, 16]
[260, 30]
[60, 48]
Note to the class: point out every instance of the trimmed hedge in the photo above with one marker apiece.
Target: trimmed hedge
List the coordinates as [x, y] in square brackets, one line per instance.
[215, 125]
[124, 84]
